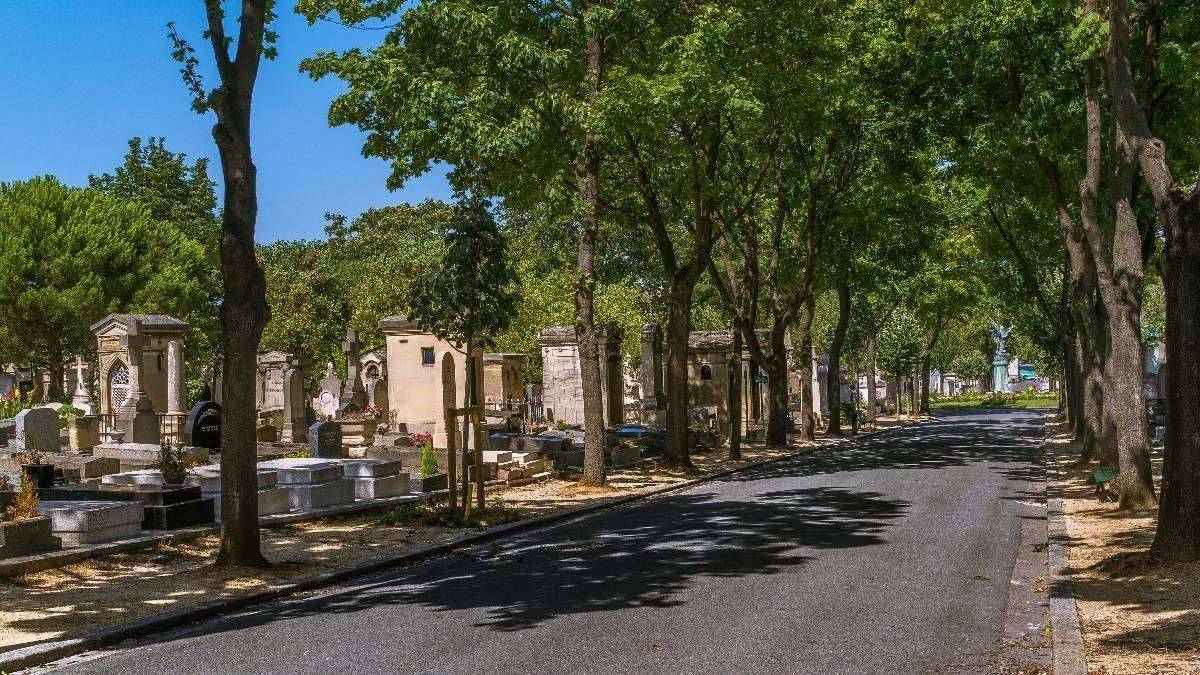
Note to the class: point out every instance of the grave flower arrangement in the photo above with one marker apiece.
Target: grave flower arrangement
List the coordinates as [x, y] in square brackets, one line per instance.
[14, 402]
[420, 440]
[373, 413]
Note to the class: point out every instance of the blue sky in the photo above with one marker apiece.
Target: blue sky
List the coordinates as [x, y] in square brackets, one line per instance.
[80, 78]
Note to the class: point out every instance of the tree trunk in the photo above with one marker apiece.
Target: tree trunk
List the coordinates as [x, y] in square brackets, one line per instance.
[244, 306]
[678, 327]
[926, 372]
[1178, 533]
[243, 314]
[735, 396]
[467, 422]
[872, 395]
[833, 383]
[808, 404]
[585, 287]
[777, 390]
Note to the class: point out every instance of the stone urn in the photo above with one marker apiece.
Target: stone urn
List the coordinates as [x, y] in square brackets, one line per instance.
[357, 433]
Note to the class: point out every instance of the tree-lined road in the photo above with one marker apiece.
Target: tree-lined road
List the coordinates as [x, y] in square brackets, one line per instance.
[892, 555]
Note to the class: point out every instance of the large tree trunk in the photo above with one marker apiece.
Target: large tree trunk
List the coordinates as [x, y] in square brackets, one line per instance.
[735, 396]
[244, 306]
[833, 383]
[585, 328]
[777, 389]
[678, 328]
[1119, 276]
[243, 314]
[872, 374]
[1178, 534]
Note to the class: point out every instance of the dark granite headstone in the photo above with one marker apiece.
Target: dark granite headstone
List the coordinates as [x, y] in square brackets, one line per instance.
[165, 509]
[202, 428]
[325, 441]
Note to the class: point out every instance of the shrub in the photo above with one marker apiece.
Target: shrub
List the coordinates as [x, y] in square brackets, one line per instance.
[65, 414]
[173, 461]
[429, 460]
[431, 515]
[25, 506]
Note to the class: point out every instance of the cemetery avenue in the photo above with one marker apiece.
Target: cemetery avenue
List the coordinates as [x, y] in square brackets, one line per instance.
[600, 336]
[895, 554]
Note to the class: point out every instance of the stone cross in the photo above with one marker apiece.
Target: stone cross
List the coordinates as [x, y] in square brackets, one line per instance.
[82, 398]
[79, 384]
[353, 391]
[351, 346]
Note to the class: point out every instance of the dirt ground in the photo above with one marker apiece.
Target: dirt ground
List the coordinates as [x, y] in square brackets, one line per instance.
[1136, 616]
[101, 591]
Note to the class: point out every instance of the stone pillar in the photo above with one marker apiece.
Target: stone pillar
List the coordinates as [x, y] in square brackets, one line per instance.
[999, 375]
[176, 388]
[651, 373]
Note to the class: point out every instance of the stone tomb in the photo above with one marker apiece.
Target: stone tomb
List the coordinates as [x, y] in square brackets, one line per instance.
[133, 456]
[37, 430]
[312, 483]
[141, 372]
[272, 498]
[165, 508]
[562, 383]
[27, 537]
[425, 375]
[268, 381]
[88, 466]
[376, 478]
[93, 522]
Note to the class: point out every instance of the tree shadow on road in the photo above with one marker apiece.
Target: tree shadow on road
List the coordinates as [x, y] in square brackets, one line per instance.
[951, 438]
[638, 557]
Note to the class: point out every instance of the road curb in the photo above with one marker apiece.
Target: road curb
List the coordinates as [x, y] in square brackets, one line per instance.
[1068, 652]
[46, 652]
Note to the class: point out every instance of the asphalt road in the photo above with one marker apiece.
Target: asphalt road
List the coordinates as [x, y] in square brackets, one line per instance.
[893, 555]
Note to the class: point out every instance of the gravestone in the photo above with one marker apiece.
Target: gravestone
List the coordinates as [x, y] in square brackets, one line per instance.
[83, 432]
[326, 402]
[202, 428]
[325, 441]
[37, 430]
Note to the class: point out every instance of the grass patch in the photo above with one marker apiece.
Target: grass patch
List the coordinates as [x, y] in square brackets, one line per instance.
[995, 402]
[437, 515]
